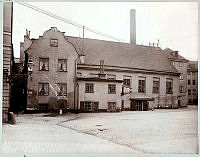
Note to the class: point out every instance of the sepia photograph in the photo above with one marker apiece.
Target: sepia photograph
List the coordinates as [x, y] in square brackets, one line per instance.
[100, 77]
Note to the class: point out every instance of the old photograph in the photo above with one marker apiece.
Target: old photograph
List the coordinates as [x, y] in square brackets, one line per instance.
[101, 77]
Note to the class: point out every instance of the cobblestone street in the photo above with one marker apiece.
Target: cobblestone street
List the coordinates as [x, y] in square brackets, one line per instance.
[158, 131]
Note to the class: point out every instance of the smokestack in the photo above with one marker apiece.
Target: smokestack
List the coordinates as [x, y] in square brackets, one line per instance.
[132, 27]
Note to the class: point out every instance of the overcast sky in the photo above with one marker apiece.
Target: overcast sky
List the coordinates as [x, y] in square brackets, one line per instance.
[175, 24]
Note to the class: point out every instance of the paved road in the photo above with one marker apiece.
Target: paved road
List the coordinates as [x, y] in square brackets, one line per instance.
[42, 134]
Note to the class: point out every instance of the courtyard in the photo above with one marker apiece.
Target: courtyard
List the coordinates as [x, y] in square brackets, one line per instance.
[164, 131]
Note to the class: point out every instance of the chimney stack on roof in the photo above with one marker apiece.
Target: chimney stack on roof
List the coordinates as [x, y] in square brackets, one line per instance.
[132, 27]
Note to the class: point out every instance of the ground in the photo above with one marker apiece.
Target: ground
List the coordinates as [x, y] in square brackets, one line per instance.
[158, 131]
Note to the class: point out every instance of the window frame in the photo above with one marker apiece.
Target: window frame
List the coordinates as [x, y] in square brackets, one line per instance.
[189, 92]
[171, 86]
[65, 60]
[158, 90]
[89, 87]
[111, 90]
[40, 60]
[125, 80]
[189, 82]
[43, 83]
[142, 85]
[59, 92]
[53, 43]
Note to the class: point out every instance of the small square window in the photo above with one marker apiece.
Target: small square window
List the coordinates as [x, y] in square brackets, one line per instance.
[189, 82]
[44, 64]
[54, 42]
[111, 88]
[43, 89]
[89, 88]
[193, 82]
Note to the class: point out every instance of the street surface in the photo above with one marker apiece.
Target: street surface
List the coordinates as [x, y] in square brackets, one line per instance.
[159, 131]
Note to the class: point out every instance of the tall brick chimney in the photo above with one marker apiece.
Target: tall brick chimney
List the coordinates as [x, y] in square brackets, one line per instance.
[132, 27]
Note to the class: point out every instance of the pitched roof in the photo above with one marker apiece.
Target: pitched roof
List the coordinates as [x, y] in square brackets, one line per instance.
[169, 53]
[123, 55]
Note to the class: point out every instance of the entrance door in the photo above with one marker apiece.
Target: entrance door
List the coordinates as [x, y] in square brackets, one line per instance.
[139, 105]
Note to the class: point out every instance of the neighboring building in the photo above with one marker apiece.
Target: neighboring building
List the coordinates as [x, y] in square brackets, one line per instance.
[180, 64]
[192, 76]
[7, 56]
[129, 76]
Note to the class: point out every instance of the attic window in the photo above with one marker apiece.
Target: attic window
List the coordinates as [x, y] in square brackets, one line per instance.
[54, 42]
[176, 54]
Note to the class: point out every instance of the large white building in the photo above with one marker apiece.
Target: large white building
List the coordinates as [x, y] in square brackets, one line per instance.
[99, 75]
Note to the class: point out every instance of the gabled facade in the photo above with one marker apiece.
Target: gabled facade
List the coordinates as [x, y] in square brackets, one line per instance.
[51, 68]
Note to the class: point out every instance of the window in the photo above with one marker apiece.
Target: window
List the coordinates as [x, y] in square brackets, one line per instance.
[62, 89]
[188, 73]
[54, 42]
[169, 86]
[62, 65]
[189, 91]
[190, 100]
[111, 88]
[181, 89]
[180, 64]
[193, 82]
[141, 85]
[43, 89]
[194, 91]
[88, 106]
[189, 82]
[127, 81]
[111, 77]
[111, 106]
[181, 77]
[44, 64]
[156, 85]
[89, 88]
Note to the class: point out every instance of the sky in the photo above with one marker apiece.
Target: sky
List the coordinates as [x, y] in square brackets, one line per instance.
[175, 24]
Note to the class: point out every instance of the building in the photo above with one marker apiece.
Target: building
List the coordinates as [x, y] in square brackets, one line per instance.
[97, 75]
[7, 56]
[180, 64]
[192, 76]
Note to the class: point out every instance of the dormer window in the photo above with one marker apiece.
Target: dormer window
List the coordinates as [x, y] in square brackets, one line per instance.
[54, 42]
[62, 65]
[176, 54]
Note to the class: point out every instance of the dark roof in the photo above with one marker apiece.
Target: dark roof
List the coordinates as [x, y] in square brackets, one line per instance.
[123, 54]
[169, 53]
